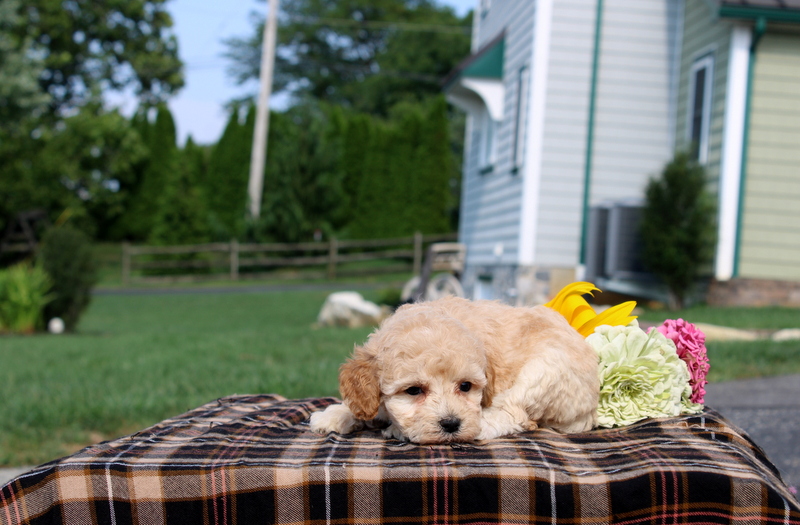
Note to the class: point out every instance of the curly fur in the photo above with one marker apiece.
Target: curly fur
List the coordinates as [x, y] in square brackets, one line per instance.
[458, 370]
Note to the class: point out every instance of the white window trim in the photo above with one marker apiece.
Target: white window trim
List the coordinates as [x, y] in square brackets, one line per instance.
[521, 117]
[704, 62]
[489, 127]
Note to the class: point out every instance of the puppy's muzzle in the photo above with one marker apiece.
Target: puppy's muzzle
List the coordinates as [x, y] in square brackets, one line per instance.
[450, 424]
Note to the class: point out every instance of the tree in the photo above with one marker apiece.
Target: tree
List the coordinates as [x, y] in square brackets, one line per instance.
[228, 165]
[87, 46]
[181, 216]
[303, 181]
[93, 158]
[160, 138]
[20, 68]
[404, 186]
[367, 55]
[678, 226]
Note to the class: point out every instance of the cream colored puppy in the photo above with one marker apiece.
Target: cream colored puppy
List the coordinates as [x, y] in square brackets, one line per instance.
[458, 370]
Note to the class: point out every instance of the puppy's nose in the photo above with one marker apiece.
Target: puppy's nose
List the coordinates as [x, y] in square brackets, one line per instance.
[450, 424]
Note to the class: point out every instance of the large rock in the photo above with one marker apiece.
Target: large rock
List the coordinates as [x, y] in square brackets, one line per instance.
[350, 309]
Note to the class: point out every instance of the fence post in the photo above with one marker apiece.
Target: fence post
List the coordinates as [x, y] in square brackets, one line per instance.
[333, 255]
[234, 249]
[126, 263]
[417, 253]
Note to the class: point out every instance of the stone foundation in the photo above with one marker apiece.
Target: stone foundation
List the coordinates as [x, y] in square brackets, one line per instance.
[754, 292]
[515, 285]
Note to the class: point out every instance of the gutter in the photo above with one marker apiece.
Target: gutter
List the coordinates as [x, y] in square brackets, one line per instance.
[758, 13]
[758, 32]
[587, 171]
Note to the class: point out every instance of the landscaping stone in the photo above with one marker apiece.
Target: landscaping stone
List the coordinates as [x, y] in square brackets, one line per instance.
[787, 334]
[723, 333]
[350, 309]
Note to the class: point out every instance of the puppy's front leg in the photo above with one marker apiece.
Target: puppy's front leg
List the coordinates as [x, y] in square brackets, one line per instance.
[501, 420]
[335, 418]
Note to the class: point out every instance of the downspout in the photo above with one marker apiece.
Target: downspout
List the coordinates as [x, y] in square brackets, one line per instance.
[758, 32]
[587, 172]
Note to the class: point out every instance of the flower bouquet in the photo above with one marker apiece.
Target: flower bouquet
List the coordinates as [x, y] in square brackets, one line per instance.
[659, 373]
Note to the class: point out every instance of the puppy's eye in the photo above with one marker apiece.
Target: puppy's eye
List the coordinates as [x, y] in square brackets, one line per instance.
[413, 390]
[466, 386]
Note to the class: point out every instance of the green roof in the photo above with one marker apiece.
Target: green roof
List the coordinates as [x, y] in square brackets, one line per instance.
[487, 62]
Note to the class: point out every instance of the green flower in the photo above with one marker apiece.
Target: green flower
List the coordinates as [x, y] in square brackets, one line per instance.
[641, 376]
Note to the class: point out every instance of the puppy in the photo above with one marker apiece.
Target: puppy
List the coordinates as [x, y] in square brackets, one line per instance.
[454, 370]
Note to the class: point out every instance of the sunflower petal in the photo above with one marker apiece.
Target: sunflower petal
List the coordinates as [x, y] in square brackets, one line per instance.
[618, 315]
[582, 315]
[571, 290]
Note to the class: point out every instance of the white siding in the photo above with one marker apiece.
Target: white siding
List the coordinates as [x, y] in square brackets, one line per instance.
[564, 147]
[490, 202]
[634, 126]
[636, 93]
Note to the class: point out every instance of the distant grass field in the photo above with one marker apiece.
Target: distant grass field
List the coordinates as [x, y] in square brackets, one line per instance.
[142, 358]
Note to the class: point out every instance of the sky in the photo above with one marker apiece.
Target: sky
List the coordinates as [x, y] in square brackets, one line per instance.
[201, 26]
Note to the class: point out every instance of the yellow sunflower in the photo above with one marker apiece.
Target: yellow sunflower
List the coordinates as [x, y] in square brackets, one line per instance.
[570, 303]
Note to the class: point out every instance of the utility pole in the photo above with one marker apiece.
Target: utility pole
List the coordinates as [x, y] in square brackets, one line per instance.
[258, 156]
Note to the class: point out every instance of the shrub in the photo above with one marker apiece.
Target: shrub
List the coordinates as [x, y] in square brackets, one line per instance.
[678, 227]
[66, 255]
[23, 295]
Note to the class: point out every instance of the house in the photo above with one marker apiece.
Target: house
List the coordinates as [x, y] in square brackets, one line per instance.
[573, 105]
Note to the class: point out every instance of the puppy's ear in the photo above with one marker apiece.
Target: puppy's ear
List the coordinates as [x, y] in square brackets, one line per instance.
[358, 384]
[488, 390]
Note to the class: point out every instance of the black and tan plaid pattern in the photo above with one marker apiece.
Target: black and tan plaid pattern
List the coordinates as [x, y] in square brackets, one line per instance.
[252, 459]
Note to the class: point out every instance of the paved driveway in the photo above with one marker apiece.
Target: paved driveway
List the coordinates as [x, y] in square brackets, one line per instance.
[769, 410]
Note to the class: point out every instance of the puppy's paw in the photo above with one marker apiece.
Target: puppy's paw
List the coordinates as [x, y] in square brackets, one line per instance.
[530, 425]
[335, 418]
[502, 421]
[393, 432]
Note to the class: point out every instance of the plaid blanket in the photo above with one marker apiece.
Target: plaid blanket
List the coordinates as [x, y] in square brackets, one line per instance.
[252, 459]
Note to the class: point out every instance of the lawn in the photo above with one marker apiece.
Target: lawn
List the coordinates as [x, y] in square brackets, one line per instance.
[738, 360]
[141, 358]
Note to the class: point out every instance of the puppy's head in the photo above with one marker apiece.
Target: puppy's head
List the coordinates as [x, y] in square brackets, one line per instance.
[429, 372]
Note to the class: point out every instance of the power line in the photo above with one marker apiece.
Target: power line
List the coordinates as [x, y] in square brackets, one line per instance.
[405, 26]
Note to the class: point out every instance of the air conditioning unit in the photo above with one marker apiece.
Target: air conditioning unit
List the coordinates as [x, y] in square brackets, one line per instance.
[614, 244]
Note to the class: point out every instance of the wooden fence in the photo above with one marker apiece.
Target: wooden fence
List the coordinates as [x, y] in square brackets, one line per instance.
[233, 259]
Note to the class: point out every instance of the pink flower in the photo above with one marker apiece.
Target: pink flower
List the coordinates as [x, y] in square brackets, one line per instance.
[690, 342]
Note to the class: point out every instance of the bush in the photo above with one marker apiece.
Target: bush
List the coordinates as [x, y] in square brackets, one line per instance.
[23, 295]
[678, 227]
[66, 255]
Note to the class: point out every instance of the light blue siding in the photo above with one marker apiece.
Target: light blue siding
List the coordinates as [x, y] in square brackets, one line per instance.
[490, 203]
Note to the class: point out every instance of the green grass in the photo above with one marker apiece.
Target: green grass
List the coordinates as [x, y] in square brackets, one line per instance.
[139, 359]
[764, 318]
[741, 360]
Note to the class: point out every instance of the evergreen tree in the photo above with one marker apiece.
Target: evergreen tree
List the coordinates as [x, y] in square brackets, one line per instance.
[678, 226]
[368, 222]
[181, 216]
[228, 175]
[405, 170]
[160, 138]
[431, 193]
[303, 189]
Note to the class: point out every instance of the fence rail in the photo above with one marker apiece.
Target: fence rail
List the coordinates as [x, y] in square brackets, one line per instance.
[220, 260]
